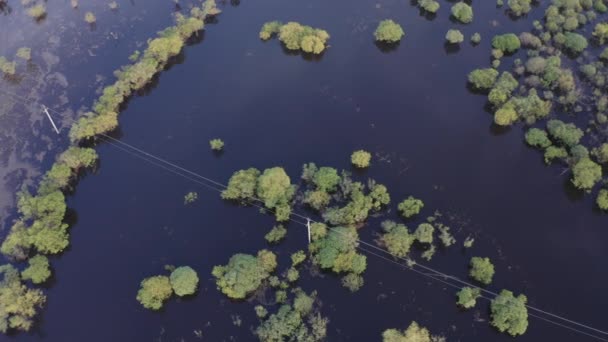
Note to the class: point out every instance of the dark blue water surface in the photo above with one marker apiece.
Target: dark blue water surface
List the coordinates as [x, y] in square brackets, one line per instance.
[430, 137]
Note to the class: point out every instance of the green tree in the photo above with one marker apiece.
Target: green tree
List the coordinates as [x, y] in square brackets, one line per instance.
[338, 251]
[566, 133]
[467, 297]
[242, 275]
[554, 152]
[326, 179]
[424, 233]
[355, 211]
[413, 333]
[242, 185]
[575, 42]
[520, 7]
[37, 11]
[430, 6]
[190, 197]
[270, 28]
[388, 31]
[353, 282]
[601, 153]
[601, 32]
[216, 144]
[586, 174]
[396, 238]
[361, 158]
[184, 281]
[509, 313]
[296, 36]
[483, 79]
[507, 43]
[89, 17]
[24, 53]
[276, 234]
[462, 12]
[502, 89]
[602, 199]
[275, 189]
[298, 258]
[410, 207]
[154, 291]
[454, 36]
[38, 271]
[506, 115]
[481, 270]
[476, 38]
[537, 138]
[18, 303]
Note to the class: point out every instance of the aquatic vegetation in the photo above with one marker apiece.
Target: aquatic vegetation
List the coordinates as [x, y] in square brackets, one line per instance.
[184, 281]
[454, 36]
[7, 68]
[410, 207]
[90, 18]
[190, 197]
[467, 297]
[24, 53]
[520, 7]
[483, 79]
[388, 31]
[297, 258]
[509, 313]
[476, 38]
[414, 332]
[361, 159]
[216, 144]
[154, 292]
[507, 43]
[244, 273]
[18, 303]
[463, 12]
[296, 36]
[276, 234]
[446, 238]
[38, 270]
[396, 238]
[430, 6]
[481, 270]
[37, 11]
[299, 321]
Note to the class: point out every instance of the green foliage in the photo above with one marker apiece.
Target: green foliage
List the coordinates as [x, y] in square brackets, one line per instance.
[154, 291]
[184, 281]
[190, 197]
[7, 68]
[410, 207]
[270, 28]
[216, 144]
[38, 271]
[297, 258]
[260, 311]
[424, 233]
[575, 42]
[531, 107]
[468, 242]
[454, 36]
[317, 199]
[388, 31]
[601, 32]
[267, 260]
[481, 270]
[509, 313]
[467, 297]
[337, 251]
[353, 282]
[602, 199]
[462, 12]
[78, 157]
[275, 189]
[37, 11]
[396, 238]
[483, 78]
[354, 212]
[601, 153]
[502, 89]
[242, 275]
[361, 159]
[537, 138]
[507, 43]
[18, 303]
[378, 195]
[276, 234]
[565, 133]
[326, 179]
[413, 333]
[292, 275]
[586, 174]
[318, 231]
[476, 38]
[430, 6]
[506, 115]
[24, 53]
[554, 152]
[447, 239]
[242, 185]
[520, 7]
[89, 17]
[281, 296]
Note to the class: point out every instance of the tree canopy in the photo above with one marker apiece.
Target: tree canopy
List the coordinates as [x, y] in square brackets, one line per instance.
[507, 43]
[586, 173]
[467, 297]
[154, 291]
[482, 270]
[509, 313]
[18, 303]
[275, 189]
[184, 281]
[454, 36]
[410, 207]
[463, 12]
[413, 333]
[388, 31]
[361, 158]
[396, 238]
[242, 185]
[38, 271]
[296, 36]
[483, 79]
[243, 274]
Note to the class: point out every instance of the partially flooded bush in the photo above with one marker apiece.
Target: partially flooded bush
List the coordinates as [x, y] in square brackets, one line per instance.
[388, 31]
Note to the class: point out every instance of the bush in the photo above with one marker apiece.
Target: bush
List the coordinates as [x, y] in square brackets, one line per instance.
[216, 144]
[602, 199]
[361, 159]
[505, 115]
[537, 138]
[507, 43]
[190, 197]
[296, 36]
[297, 258]
[476, 38]
[454, 36]
[18, 303]
[275, 189]
[154, 292]
[601, 32]
[276, 234]
[388, 31]
[586, 174]
[462, 12]
[242, 275]
[184, 281]
[338, 251]
[483, 79]
[520, 7]
[396, 238]
[242, 185]
[413, 333]
[424, 233]
[467, 297]
[482, 270]
[554, 152]
[509, 313]
[89, 17]
[575, 42]
[565, 133]
[38, 270]
[270, 28]
[353, 282]
[430, 6]
[410, 207]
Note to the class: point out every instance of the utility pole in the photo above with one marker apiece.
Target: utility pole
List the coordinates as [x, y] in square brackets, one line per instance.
[308, 226]
[50, 119]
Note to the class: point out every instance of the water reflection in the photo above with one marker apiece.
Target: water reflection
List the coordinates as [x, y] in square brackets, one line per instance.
[385, 47]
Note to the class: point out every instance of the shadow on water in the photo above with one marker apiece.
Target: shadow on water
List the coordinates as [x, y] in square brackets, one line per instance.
[497, 130]
[450, 48]
[5, 8]
[573, 194]
[387, 47]
[310, 57]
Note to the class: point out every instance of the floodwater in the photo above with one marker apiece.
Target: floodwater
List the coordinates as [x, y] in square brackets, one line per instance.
[410, 106]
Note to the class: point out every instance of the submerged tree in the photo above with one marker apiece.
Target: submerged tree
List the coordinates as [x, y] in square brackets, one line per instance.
[244, 273]
[361, 159]
[38, 271]
[467, 297]
[413, 333]
[275, 189]
[509, 313]
[388, 31]
[184, 281]
[454, 36]
[18, 303]
[396, 238]
[463, 12]
[242, 185]
[482, 270]
[431, 6]
[410, 207]
[296, 36]
[154, 292]
[483, 79]
[507, 43]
